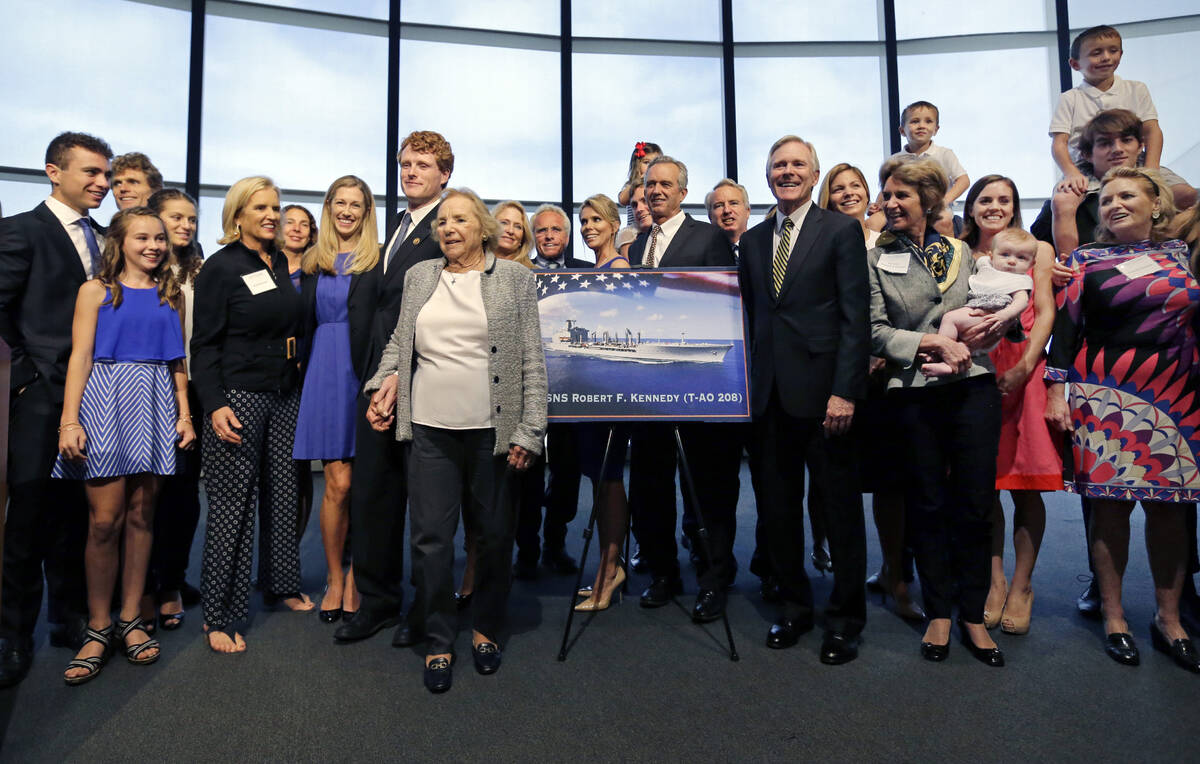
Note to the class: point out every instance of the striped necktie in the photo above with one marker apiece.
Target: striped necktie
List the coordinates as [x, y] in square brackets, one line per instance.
[780, 261]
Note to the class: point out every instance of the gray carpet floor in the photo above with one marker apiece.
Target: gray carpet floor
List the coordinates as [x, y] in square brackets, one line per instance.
[643, 685]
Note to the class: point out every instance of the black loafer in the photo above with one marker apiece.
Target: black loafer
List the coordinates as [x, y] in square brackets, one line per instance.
[992, 656]
[1122, 649]
[407, 635]
[364, 624]
[786, 632]
[1182, 651]
[838, 648]
[1088, 603]
[934, 652]
[330, 616]
[661, 590]
[710, 605]
[487, 657]
[438, 676]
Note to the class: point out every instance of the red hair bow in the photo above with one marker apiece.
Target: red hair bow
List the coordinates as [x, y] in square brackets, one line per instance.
[639, 149]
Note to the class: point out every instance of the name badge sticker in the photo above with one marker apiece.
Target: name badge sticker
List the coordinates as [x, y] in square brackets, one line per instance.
[259, 282]
[894, 262]
[1138, 267]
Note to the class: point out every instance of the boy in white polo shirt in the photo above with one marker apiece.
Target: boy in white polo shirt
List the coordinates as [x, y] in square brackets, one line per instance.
[1096, 53]
[919, 122]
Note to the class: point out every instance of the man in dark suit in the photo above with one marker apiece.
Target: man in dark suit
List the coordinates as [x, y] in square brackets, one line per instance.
[676, 240]
[378, 485]
[804, 282]
[45, 256]
[551, 236]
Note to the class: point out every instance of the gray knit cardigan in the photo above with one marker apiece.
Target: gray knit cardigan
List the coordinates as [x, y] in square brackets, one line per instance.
[516, 363]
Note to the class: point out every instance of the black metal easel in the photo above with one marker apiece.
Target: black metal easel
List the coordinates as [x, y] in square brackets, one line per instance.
[686, 483]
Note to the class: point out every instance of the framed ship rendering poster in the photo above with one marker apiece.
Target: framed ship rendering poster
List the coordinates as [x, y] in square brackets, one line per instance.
[629, 345]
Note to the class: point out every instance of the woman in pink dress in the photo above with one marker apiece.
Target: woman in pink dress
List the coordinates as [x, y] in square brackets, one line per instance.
[1028, 461]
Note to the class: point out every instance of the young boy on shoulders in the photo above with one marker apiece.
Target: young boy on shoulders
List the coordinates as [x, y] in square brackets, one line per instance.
[1095, 54]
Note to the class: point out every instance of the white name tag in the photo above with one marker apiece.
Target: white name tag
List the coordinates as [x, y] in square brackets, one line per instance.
[894, 262]
[1138, 267]
[259, 282]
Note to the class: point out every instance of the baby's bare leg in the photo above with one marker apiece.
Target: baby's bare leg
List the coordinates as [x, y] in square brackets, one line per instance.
[953, 323]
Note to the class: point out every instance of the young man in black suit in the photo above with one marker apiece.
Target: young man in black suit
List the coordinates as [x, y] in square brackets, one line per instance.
[378, 486]
[45, 256]
[676, 240]
[804, 282]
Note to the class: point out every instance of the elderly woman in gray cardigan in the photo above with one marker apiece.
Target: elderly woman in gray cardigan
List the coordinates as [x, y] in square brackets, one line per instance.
[464, 377]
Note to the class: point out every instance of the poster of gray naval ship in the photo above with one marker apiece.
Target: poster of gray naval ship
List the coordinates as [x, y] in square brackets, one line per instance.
[644, 345]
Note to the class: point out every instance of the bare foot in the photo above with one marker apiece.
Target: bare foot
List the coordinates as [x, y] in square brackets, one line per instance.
[220, 642]
[938, 632]
[979, 635]
[137, 637]
[431, 658]
[994, 605]
[351, 600]
[298, 604]
[332, 600]
[172, 604]
[90, 649]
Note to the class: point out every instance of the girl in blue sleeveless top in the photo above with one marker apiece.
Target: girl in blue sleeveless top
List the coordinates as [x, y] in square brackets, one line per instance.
[125, 408]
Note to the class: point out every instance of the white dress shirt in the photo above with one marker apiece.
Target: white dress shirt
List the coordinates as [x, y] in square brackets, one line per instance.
[666, 233]
[70, 223]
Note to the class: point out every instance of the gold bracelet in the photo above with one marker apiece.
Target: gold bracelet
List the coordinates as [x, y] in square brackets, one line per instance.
[69, 425]
[185, 419]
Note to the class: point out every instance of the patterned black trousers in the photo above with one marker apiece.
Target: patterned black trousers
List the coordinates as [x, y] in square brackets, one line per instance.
[232, 473]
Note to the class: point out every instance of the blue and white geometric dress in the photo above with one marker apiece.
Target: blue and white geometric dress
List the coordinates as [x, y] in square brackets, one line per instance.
[128, 410]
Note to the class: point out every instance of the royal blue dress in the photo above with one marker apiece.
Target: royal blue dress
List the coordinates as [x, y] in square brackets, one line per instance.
[128, 410]
[325, 426]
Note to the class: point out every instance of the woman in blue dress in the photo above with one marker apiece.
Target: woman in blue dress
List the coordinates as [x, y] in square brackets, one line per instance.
[125, 408]
[347, 247]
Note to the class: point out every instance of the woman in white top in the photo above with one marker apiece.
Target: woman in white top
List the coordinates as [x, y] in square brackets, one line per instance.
[180, 494]
[464, 379]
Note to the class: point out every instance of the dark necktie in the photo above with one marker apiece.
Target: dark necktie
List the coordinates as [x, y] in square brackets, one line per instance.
[93, 246]
[782, 252]
[405, 224]
[648, 260]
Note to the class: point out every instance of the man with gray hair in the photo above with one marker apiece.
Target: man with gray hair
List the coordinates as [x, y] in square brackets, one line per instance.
[713, 451]
[552, 236]
[728, 206]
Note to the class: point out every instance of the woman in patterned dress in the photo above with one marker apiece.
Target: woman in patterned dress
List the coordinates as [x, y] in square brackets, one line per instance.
[125, 406]
[1124, 339]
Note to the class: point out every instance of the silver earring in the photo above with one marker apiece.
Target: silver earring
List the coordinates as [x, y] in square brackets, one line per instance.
[1156, 215]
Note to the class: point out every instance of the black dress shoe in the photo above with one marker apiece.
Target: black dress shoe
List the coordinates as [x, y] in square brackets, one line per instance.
[821, 560]
[786, 632]
[838, 648]
[16, 655]
[524, 570]
[437, 675]
[407, 635]
[992, 656]
[487, 657]
[1182, 651]
[330, 616]
[1121, 648]
[661, 590]
[637, 562]
[710, 604]
[559, 562]
[1088, 603]
[71, 634]
[364, 624]
[934, 652]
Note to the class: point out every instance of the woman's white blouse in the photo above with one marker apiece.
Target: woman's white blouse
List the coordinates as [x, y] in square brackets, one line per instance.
[450, 385]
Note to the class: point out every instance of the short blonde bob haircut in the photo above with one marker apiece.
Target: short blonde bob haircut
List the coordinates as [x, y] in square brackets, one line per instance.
[489, 229]
[236, 200]
[926, 176]
[322, 256]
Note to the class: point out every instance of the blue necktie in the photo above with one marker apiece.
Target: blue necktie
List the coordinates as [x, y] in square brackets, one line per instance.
[405, 224]
[93, 247]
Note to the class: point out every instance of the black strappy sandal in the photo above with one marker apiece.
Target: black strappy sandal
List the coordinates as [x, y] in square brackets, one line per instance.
[94, 663]
[133, 653]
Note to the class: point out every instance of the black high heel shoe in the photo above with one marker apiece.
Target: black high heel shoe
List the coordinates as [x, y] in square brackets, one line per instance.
[1182, 651]
[992, 656]
[934, 652]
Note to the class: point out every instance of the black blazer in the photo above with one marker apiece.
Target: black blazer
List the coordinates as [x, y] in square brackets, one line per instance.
[695, 244]
[814, 339]
[374, 315]
[239, 339]
[361, 300]
[40, 276]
